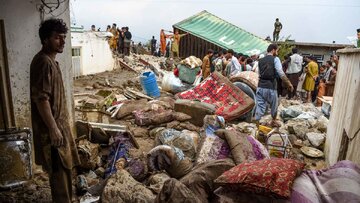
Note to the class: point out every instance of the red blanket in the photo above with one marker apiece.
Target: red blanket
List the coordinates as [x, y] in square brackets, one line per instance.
[229, 100]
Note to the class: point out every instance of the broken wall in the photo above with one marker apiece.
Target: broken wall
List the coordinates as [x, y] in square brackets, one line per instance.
[22, 20]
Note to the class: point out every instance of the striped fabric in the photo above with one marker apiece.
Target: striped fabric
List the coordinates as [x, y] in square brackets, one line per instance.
[339, 183]
[230, 101]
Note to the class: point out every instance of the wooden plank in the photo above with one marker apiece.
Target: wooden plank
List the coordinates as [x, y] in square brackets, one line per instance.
[144, 62]
[124, 65]
[188, 44]
[191, 45]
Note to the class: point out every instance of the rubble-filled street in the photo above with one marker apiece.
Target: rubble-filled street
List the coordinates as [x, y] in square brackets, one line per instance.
[111, 102]
[130, 143]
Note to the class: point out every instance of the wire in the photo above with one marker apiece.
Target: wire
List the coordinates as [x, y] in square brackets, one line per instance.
[60, 13]
[49, 6]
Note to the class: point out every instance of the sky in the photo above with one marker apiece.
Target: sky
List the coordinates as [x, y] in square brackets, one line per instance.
[320, 21]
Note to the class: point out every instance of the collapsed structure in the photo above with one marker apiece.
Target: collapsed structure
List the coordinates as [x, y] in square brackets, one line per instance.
[207, 31]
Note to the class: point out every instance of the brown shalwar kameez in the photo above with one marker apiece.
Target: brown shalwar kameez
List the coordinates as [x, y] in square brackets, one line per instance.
[46, 84]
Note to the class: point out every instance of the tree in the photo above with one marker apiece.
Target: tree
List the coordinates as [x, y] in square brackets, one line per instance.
[285, 48]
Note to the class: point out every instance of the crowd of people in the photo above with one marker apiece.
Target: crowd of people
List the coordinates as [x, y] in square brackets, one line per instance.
[304, 73]
[167, 48]
[121, 40]
[296, 77]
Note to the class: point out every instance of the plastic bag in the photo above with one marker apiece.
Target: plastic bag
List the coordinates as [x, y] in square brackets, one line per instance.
[171, 83]
[182, 140]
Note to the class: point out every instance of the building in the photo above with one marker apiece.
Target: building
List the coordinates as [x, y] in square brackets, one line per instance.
[207, 31]
[90, 52]
[321, 51]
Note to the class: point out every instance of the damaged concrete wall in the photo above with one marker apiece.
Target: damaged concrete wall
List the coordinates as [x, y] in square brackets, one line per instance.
[22, 20]
[96, 55]
[343, 133]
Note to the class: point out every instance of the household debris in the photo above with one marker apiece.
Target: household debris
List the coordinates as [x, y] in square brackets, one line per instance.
[136, 148]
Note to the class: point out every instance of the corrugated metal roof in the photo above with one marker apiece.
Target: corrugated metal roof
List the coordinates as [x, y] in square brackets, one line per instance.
[222, 33]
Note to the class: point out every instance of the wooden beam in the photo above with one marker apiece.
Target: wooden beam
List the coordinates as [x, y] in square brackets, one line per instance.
[124, 65]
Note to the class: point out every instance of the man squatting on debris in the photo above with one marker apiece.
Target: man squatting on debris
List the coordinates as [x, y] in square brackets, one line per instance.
[266, 93]
[55, 148]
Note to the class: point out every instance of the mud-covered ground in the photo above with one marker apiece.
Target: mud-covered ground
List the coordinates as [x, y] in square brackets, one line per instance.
[38, 189]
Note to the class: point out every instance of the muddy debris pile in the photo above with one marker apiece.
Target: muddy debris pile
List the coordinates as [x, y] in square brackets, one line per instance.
[139, 148]
[184, 144]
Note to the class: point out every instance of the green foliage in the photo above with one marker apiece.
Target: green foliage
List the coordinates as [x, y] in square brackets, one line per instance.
[285, 48]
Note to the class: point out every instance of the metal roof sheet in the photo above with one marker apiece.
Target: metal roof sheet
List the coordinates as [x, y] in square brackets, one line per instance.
[222, 33]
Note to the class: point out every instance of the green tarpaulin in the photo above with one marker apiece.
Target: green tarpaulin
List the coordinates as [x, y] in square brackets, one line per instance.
[222, 33]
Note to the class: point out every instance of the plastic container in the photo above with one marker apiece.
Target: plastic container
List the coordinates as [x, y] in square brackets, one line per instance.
[16, 165]
[149, 84]
[278, 144]
[187, 74]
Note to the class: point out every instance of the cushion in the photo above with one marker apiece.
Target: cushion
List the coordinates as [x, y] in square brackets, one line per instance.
[267, 177]
[201, 178]
[248, 77]
[213, 147]
[243, 147]
[338, 183]
[230, 102]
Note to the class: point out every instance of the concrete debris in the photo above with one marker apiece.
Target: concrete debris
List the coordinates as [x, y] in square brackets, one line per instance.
[316, 139]
[321, 124]
[88, 198]
[299, 127]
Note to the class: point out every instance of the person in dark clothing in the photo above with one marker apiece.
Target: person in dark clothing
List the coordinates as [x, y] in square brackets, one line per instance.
[127, 40]
[54, 144]
[168, 50]
[281, 88]
[153, 45]
[266, 93]
[120, 46]
[277, 28]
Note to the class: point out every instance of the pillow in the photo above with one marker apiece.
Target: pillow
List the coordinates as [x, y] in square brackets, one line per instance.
[243, 147]
[248, 77]
[267, 177]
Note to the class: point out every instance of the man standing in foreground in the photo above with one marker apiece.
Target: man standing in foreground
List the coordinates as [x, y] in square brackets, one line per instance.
[266, 93]
[55, 148]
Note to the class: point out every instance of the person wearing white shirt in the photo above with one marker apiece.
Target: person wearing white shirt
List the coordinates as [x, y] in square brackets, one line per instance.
[293, 71]
[235, 67]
